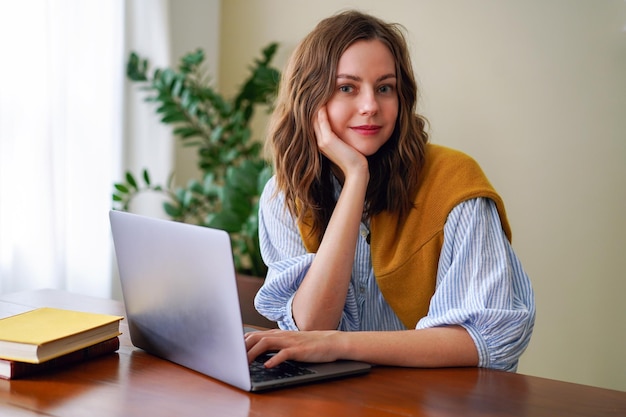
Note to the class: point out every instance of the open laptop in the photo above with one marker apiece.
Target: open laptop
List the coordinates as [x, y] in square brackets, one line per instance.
[180, 293]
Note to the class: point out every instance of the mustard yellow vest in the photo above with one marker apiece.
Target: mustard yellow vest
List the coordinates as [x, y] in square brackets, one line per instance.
[405, 256]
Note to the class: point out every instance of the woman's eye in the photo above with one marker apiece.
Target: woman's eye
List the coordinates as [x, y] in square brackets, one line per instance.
[346, 88]
[385, 89]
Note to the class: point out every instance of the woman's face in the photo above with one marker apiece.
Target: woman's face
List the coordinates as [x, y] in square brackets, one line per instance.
[364, 107]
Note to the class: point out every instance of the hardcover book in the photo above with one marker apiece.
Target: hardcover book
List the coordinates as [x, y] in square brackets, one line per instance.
[13, 369]
[45, 333]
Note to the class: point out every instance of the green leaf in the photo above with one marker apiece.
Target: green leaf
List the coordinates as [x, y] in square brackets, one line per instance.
[172, 210]
[243, 178]
[209, 188]
[264, 176]
[167, 107]
[177, 88]
[179, 195]
[130, 179]
[187, 198]
[186, 131]
[185, 98]
[191, 60]
[122, 188]
[192, 106]
[216, 134]
[248, 111]
[167, 77]
[229, 155]
[195, 186]
[246, 134]
[235, 202]
[191, 144]
[174, 117]
[269, 51]
[227, 221]
[136, 68]
[146, 177]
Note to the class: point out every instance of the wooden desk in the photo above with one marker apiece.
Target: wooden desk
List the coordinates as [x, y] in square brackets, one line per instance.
[133, 383]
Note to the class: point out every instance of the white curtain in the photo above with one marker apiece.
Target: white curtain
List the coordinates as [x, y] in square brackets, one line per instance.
[149, 143]
[62, 140]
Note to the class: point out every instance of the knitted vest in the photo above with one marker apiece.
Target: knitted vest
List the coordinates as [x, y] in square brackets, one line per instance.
[405, 256]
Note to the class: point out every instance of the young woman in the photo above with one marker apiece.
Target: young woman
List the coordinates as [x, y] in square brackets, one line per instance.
[380, 247]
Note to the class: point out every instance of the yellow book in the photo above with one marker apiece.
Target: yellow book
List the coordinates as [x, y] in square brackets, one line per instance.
[46, 333]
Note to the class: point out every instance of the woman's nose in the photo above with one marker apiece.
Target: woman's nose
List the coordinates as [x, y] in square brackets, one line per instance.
[367, 103]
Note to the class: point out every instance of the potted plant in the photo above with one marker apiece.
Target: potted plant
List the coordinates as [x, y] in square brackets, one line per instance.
[233, 171]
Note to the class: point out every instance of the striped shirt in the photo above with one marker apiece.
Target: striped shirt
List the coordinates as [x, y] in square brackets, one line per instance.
[481, 284]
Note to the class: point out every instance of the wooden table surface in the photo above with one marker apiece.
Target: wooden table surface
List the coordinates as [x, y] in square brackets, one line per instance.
[134, 383]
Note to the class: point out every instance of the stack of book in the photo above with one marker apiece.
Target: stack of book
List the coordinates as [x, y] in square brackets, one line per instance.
[49, 338]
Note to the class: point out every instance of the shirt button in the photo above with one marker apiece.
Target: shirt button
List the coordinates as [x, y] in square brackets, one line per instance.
[362, 290]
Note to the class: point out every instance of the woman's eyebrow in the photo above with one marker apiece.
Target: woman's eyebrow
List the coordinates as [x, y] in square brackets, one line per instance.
[356, 78]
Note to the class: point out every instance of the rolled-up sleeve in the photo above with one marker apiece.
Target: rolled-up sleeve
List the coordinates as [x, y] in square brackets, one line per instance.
[284, 254]
[482, 286]
[288, 262]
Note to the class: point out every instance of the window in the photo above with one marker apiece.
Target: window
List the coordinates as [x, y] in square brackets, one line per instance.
[61, 96]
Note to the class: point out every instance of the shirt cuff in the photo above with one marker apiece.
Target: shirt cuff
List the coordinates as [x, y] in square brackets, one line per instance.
[288, 323]
[481, 346]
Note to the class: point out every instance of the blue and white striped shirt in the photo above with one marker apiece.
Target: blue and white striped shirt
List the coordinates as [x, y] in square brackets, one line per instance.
[481, 284]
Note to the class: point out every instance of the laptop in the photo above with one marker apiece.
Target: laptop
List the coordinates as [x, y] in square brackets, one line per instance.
[180, 293]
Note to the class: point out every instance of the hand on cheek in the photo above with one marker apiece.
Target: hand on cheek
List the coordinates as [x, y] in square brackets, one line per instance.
[333, 147]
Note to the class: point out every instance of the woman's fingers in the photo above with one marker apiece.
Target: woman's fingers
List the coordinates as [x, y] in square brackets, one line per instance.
[334, 148]
[301, 346]
[258, 343]
[323, 132]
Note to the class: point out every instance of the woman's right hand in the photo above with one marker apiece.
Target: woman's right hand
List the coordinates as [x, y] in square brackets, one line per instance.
[344, 156]
[320, 299]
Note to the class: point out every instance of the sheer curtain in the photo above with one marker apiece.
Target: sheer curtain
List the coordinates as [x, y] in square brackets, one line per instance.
[61, 140]
[149, 143]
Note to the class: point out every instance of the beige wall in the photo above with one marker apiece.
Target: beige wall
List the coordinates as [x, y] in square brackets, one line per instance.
[536, 92]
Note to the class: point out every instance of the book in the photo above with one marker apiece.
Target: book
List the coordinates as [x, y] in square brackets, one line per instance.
[13, 369]
[45, 333]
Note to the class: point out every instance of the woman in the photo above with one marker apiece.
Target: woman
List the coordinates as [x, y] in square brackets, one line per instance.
[380, 247]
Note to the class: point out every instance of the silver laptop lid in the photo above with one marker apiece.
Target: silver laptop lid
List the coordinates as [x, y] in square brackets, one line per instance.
[180, 293]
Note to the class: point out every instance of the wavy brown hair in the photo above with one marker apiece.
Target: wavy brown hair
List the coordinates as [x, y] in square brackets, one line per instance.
[303, 174]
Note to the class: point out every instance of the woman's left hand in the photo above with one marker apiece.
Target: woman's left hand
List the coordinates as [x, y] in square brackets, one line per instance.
[305, 346]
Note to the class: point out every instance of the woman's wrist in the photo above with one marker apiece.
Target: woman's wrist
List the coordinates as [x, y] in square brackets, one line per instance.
[341, 344]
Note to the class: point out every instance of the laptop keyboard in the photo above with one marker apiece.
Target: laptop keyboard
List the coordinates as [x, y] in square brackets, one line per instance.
[259, 373]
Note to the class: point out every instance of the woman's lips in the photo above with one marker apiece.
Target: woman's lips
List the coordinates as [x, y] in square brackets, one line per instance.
[366, 129]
